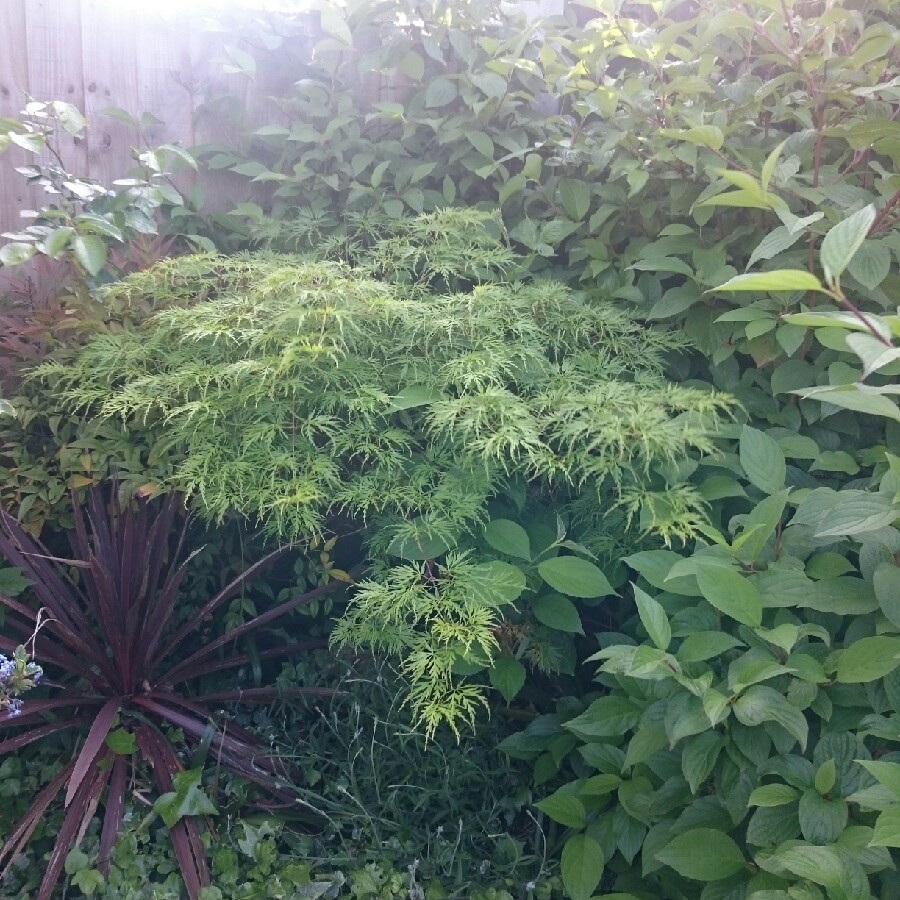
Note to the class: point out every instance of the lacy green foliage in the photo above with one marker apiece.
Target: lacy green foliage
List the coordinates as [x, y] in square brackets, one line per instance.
[433, 616]
[402, 396]
[300, 389]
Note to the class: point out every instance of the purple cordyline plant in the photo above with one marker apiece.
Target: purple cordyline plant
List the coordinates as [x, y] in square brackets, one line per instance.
[103, 624]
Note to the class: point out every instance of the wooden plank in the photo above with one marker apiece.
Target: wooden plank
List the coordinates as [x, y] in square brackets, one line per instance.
[53, 51]
[13, 92]
[108, 38]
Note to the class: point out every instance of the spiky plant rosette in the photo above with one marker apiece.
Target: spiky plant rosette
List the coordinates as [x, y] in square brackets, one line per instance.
[121, 664]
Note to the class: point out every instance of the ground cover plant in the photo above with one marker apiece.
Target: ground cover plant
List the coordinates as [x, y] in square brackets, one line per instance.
[120, 659]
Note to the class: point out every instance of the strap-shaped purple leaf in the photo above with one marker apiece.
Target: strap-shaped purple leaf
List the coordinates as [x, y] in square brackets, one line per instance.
[93, 745]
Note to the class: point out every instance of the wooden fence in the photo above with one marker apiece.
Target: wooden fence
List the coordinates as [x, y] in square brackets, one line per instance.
[156, 56]
[97, 54]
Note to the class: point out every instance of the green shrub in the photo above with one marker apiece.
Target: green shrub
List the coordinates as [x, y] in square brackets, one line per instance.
[397, 396]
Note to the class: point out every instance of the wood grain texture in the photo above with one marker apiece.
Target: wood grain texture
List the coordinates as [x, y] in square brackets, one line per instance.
[141, 58]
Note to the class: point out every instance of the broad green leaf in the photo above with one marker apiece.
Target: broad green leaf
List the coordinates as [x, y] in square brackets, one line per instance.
[508, 537]
[762, 460]
[774, 243]
[69, 117]
[698, 758]
[761, 523]
[575, 577]
[703, 854]
[776, 280]
[653, 618]
[702, 645]
[857, 397]
[599, 785]
[873, 354]
[564, 808]
[440, 92]
[481, 142]
[335, 25]
[871, 264]
[887, 829]
[886, 582]
[655, 566]
[821, 865]
[702, 135]
[76, 861]
[773, 795]
[868, 659]
[495, 583]
[761, 703]
[557, 612]
[32, 141]
[581, 866]
[609, 716]
[843, 240]
[885, 773]
[859, 513]
[58, 240]
[730, 593]
[575, 197]
[17, 252]
[822, 820]
[837, 319]
[90, 252]
[507, 676]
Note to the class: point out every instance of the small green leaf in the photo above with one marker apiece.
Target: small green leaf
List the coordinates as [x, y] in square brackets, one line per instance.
[776, 280]
[188, 799]
[763, 460]
[507, 676]
[843, 240]
[121, 741]
[557, 612]
[703, 854]
[826, 775]
[416, 395]
[76, 860]
[581, 866]
[653, 618]
[575, 577]
[773, 795]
